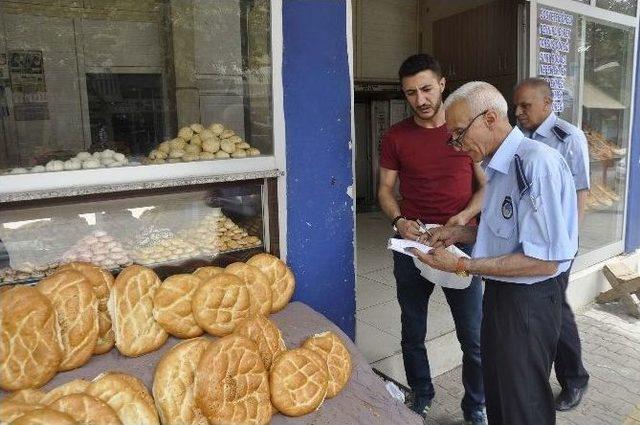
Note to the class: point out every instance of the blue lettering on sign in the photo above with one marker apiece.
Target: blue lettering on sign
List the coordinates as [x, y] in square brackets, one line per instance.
[556, 17]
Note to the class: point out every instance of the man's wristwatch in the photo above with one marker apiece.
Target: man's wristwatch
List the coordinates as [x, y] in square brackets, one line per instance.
[460, 268]
[395, 221]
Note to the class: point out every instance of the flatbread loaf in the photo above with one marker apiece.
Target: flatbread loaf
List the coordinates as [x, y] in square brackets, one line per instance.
[102, 282]
[173, 384]
[77, 386]
[172, 306]
[205, 273]
[76, 308]
[265, 334]
[28, 396]
[131, 309]
[220, 303]
[44, 416]
[333, 351]
[298, 382]
[281, 279]
[86, 410]
[10, 410]
[30, 351]
[232, 385]
[127, 396]
[257, 283]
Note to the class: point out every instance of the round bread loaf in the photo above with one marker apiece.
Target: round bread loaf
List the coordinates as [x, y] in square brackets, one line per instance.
[173, 384]
[265, 334]
[102, 282]
[10, 410]
[333, 351]
[220, 303]
[76, 308]
[44, 416]
[205, 273]
[232, 385]
[127, 396]
[257, 283]
[30, 351]
[280, 277]
[298, 382]
[131, 310]
[28, 396]
[172, 306]
[77, 386]
[86, 409]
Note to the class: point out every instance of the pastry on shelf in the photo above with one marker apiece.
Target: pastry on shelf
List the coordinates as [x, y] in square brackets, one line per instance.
[160, 245]
[82, 160]
[98, 248]
[602, 149]
[196, 143]
[26, 272]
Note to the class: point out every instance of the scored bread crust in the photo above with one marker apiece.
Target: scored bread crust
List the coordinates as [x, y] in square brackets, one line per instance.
[77, 386]
[28, 396]
[11, 410]
[30, 351]
[127, 396]
[207, 272]
[265, 334]
[173, 384]
[281, 279]
[44, 416]
[333, 351]
[76, 308]
[102, 282]
[131, 309]
[86, 409]
[257, 284]
[232, 385]
[298, 381]
[172, 306]
[220, 303]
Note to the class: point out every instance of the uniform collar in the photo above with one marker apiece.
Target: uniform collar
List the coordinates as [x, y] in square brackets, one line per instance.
[502, 158]
[544, 129]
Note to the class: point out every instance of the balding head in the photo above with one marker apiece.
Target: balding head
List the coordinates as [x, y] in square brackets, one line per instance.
[479, 96]
[533, 100]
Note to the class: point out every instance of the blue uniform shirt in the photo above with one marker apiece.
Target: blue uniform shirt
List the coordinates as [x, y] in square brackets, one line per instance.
[511, 224]
[570, 141]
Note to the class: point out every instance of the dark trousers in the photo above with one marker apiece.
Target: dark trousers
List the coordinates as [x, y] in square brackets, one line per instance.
[520, 332]
[570, 370]
[466, 307]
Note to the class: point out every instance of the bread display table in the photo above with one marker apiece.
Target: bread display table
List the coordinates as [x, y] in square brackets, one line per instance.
[364, 400]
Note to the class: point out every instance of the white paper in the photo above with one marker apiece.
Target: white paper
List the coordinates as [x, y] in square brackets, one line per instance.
[439, 277]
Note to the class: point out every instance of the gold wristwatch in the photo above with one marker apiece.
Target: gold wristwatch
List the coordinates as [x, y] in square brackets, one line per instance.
[460, 269]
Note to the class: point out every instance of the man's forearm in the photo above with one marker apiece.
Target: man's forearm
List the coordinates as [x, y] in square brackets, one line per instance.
[475, 204]
[388, 203]
[582, 202]
[511, 265]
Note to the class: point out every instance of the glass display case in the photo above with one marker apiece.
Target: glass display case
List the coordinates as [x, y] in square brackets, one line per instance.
[169, 230]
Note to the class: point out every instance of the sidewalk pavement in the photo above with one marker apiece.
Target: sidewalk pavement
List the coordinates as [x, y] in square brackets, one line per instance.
[611, 353]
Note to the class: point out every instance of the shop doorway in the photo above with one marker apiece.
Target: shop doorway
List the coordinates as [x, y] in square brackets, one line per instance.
[473, 40]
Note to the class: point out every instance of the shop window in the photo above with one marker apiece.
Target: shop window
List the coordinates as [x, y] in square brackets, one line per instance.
[628, 7]
[120, 83]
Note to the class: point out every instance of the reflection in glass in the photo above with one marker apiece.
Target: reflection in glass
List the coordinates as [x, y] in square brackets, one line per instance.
[628, 7]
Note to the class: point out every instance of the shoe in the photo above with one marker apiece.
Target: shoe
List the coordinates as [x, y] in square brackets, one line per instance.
[420, 405]
[569, 398]
[479, 417]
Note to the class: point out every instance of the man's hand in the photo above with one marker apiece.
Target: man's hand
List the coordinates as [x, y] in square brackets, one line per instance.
[441, 236]
[408, 229]
[459, 219]
[438, 258]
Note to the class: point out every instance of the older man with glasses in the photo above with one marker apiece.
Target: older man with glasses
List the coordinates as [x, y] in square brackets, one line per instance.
[526, 239]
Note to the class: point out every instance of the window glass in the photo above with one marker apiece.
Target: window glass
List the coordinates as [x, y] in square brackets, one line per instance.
[628, 7]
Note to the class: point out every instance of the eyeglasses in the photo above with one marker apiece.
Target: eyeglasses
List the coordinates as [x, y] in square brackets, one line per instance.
[457, 141]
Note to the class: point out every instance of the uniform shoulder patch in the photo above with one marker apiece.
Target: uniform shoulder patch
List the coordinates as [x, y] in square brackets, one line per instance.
[560, 132]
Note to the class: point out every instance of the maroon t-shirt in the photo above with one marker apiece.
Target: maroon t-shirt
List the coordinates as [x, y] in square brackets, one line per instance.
[436, 182]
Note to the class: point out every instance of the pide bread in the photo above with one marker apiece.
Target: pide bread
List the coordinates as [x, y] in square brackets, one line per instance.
[220, 303]
[86, 409]
[172, 306]
[30, 351]
[127, 396]
[76, 308]
[280, 277]
[102, 282]
[44, 416]
[205, 273]
[77, 386]
[232, 385]
[28, 396]
[333, 351]
[131, 309]
[265, 334]
[173, 384]
[11, 410]
[257, 283]
[298, 381]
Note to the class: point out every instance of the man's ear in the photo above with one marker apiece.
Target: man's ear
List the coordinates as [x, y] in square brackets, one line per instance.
[490, 119]
[443, 83]
[548, 103]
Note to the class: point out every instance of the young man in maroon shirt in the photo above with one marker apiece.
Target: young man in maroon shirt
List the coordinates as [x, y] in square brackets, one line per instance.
[436, 186]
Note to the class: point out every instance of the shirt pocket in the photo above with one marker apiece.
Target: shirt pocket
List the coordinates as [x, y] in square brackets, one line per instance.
[502, 224]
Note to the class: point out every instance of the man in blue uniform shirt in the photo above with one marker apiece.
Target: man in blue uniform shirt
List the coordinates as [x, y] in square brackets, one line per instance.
[533, 100]
[526, 240]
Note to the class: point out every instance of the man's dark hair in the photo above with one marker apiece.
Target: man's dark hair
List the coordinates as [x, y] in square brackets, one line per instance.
[418, 63]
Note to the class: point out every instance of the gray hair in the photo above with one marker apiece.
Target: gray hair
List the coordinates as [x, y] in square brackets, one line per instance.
[537, 83]
[479, 97]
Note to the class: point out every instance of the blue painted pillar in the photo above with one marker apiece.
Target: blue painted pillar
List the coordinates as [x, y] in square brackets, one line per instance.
[632, 241]
[317, 108]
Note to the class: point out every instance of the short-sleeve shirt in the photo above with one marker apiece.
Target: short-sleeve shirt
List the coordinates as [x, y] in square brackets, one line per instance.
[570, 141]
[542, 223]
[436, 182]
